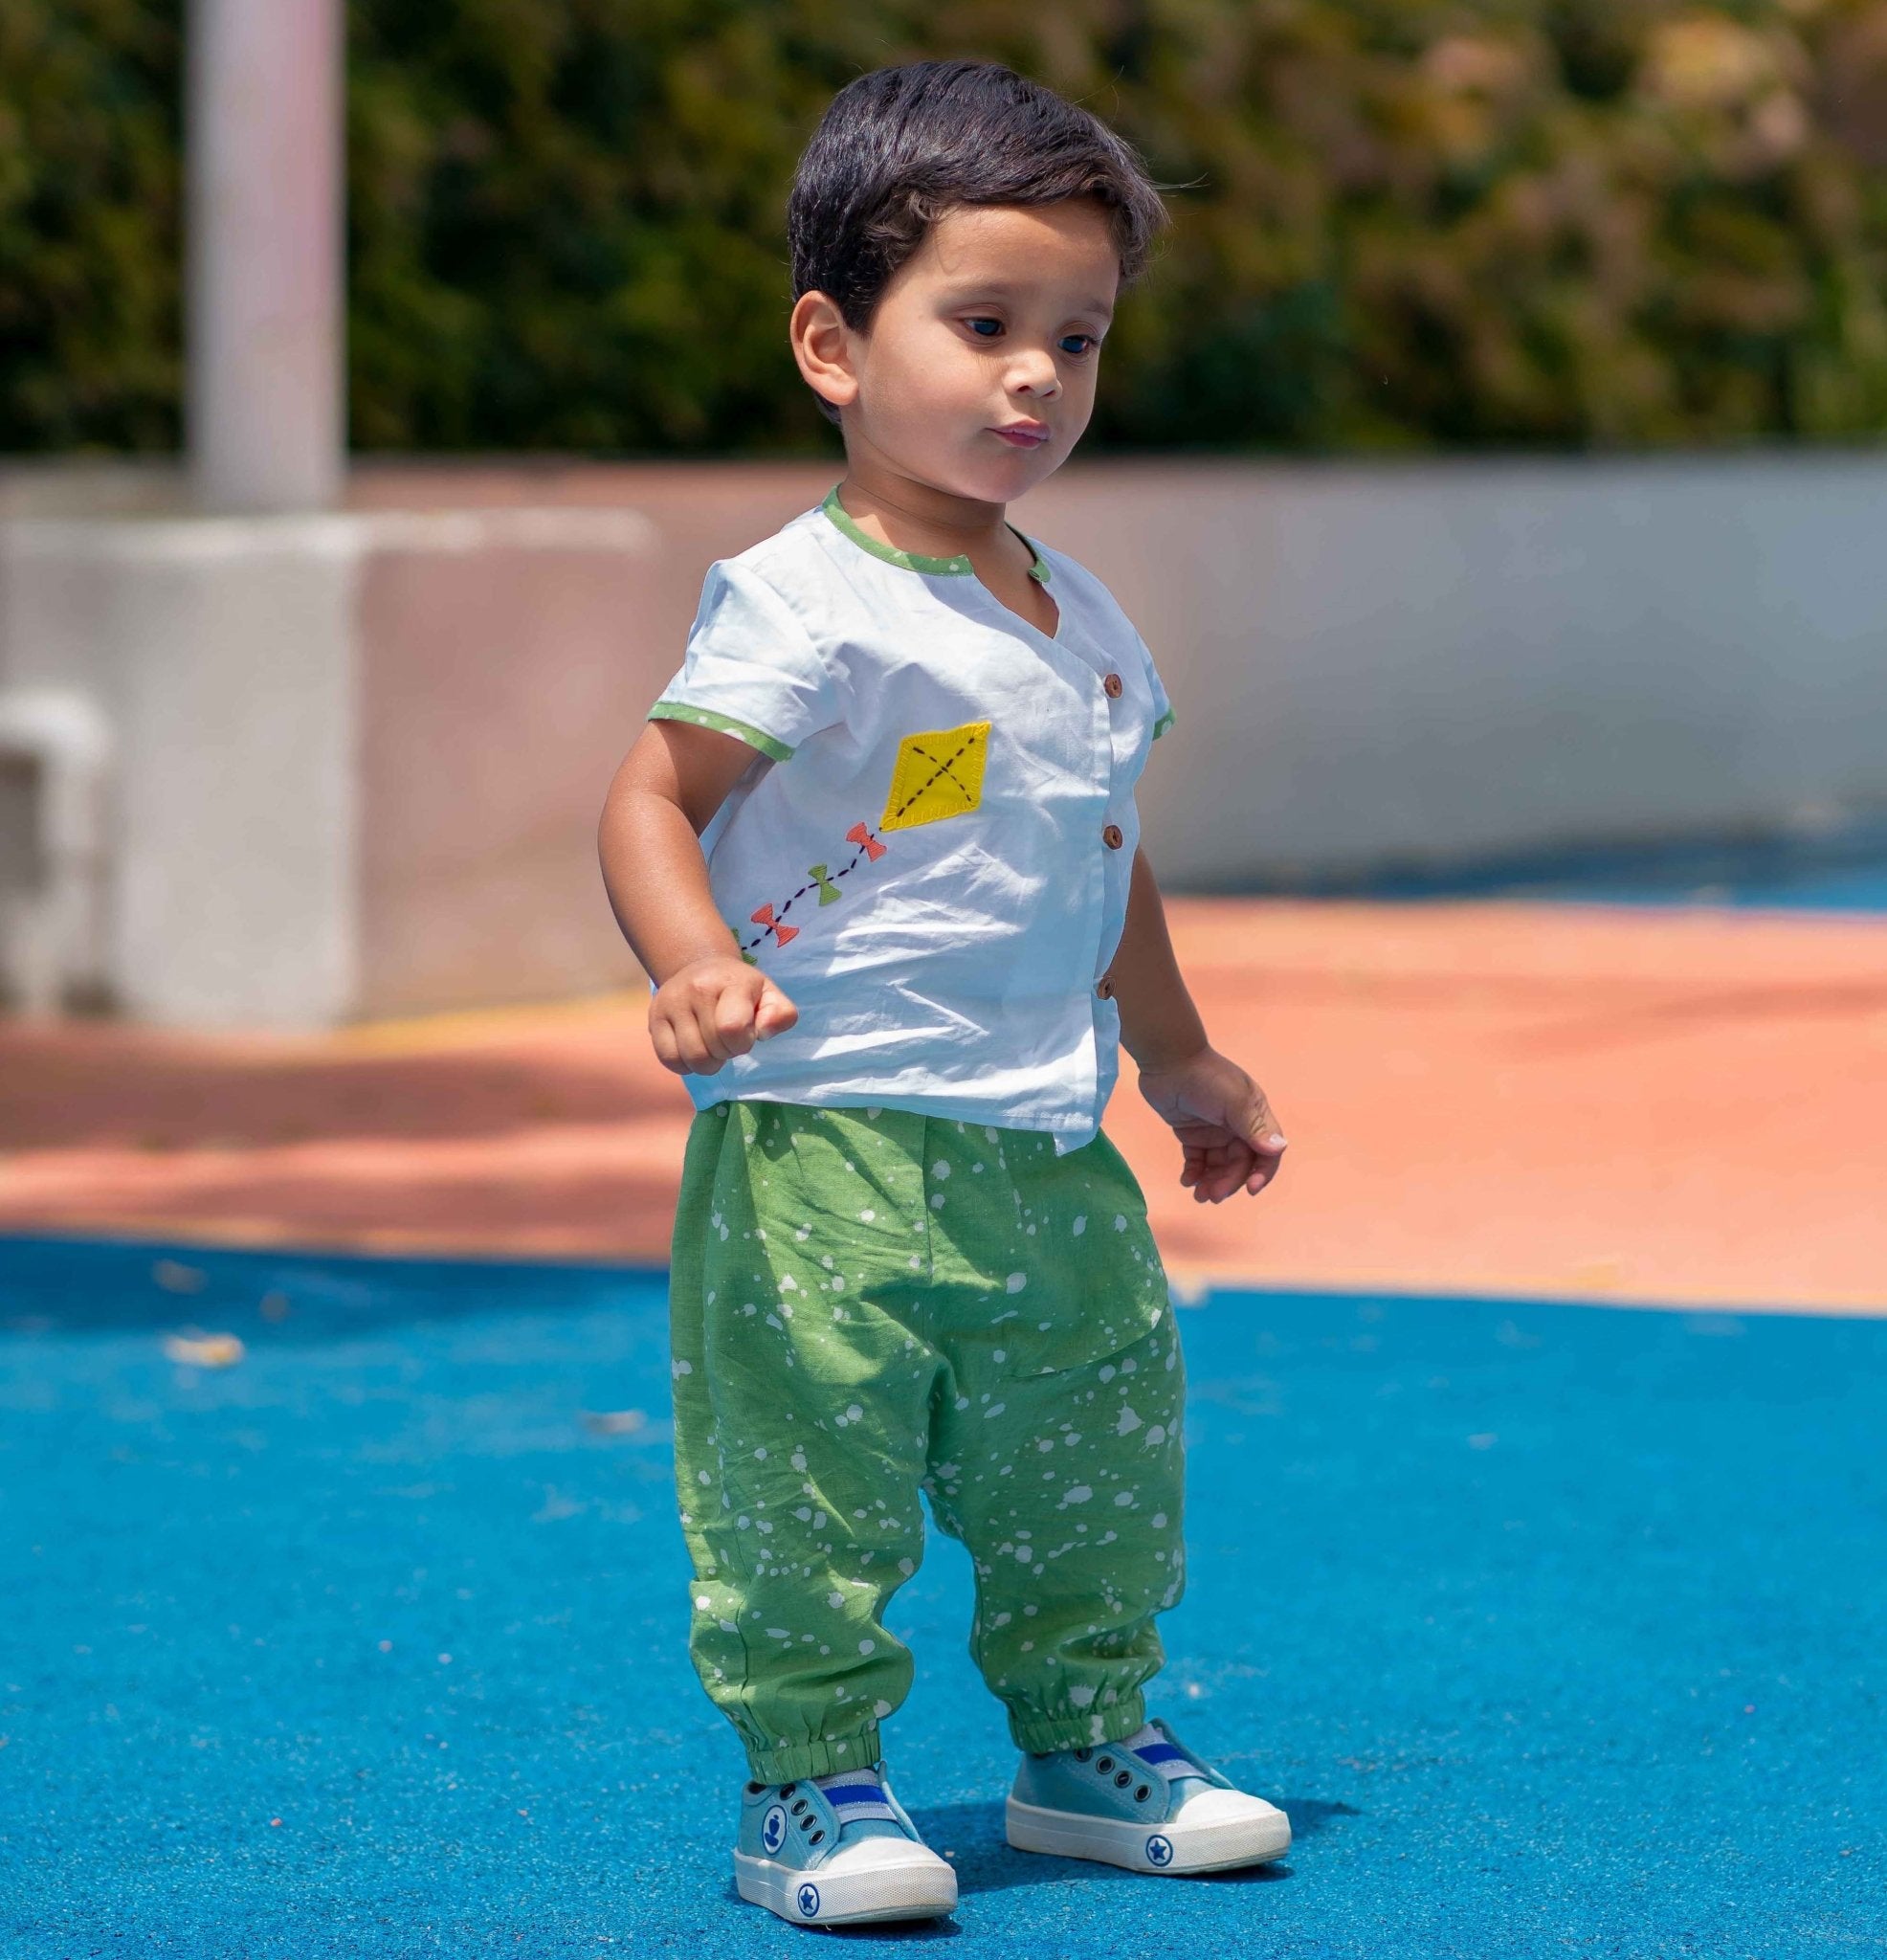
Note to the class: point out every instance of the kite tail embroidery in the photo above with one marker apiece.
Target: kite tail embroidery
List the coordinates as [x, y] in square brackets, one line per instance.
[938, 774]
[823, 880]
[780, 930]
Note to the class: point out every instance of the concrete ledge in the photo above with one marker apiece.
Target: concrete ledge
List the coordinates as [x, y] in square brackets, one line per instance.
[276, 841]
[364, 751]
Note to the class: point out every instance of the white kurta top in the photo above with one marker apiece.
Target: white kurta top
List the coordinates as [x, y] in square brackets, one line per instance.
[931, 853]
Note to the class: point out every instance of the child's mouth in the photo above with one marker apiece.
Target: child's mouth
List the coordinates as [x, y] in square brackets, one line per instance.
[1021, 438]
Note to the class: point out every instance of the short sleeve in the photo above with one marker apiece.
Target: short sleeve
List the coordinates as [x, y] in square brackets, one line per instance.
[1162, 708]
[751, 669]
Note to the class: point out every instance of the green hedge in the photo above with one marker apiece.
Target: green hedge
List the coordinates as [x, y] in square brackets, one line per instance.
[1411, 225]
[90, 180]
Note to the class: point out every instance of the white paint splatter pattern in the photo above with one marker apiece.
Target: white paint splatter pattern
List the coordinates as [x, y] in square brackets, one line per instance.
[803, 1440]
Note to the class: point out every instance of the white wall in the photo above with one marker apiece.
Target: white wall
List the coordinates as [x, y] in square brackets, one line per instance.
[1423, 662]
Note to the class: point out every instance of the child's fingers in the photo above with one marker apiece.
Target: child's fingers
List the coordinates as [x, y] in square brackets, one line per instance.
[668, 1051]
[680, 1043]
[702, 1040]
[774, 1014]
[713, 1027]
[1215, 1175]
[706, 1013]
[1266, 1148]
[1263, 1169]
[1220, 1175]
[734, 1020]
[1214, 1171]
[1204, 1170]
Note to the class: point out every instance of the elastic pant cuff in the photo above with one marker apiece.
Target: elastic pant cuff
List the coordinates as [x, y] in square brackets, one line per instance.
[790, 1762]
[1044, 1735]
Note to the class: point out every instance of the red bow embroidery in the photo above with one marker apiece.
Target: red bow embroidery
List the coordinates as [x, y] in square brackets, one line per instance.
[780, 933]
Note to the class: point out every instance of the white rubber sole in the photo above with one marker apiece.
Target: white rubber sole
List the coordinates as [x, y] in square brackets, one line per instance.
[1217, 1846]
[852, 1892]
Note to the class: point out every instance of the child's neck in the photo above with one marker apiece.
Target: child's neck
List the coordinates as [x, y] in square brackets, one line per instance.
[910, 515]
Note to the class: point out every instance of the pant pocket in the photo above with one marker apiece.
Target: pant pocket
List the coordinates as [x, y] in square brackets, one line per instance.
[1088, 1279]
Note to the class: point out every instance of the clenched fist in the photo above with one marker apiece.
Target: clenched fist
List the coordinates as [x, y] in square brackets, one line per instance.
[713, 1008]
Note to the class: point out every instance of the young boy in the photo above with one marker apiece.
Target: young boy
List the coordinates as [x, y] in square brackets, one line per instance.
[879, 853]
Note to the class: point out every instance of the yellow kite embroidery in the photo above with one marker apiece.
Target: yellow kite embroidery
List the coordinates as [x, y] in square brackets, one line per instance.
[938, 773]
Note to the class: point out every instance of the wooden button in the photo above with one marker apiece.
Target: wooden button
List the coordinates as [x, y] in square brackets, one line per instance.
[1104, 987]
[1113, 836]
[1112, 683]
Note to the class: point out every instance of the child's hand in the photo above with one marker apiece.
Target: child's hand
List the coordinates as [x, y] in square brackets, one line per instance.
[713, 1008]
[1222, 1119]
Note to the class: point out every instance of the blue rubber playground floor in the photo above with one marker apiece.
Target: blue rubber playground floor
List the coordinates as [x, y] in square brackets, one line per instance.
[1557, 1631]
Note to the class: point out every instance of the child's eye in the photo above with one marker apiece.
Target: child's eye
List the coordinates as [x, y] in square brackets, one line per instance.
[1078, 354]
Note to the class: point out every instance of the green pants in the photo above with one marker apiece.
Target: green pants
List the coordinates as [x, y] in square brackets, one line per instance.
[867, 1303]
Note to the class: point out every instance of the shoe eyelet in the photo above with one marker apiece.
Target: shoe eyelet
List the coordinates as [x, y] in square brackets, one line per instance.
[1105, 1765]
[1141, 1795]
[799, 1809]
[788, 1789]
[805, 1823]
[1122, 1781]
[1080, 1756]
[816, 1837]
[754, 1789]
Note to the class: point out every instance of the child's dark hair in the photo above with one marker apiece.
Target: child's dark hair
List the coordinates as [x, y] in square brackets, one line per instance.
[897, 148]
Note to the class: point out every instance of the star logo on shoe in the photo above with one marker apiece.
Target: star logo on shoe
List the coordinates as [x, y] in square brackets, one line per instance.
[1159, 1852]
[773, 1830]
[808, 1901]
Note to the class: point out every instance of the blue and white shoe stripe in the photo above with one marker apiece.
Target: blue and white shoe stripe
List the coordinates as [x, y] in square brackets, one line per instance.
[835, 1849]
[1162, 1752]
[855, 1799]
[1073, 1804]
[1152, 1747]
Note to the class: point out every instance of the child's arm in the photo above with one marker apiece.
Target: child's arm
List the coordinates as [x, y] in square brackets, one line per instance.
[1220, 1115]
[1159, 1024]
[708, 1003]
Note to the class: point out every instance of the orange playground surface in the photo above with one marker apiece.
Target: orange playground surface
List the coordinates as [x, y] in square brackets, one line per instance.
[1649, 1106]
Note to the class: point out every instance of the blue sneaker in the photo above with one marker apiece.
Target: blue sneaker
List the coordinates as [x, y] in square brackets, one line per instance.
[836, 1850]
[1146, 1803]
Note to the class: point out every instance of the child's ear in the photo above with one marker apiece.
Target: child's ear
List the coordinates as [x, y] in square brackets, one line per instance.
[821, 344]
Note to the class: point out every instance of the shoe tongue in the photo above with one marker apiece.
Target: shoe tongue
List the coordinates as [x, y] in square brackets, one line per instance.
[845, 1787]
[858, 1802]
[1182, 1775]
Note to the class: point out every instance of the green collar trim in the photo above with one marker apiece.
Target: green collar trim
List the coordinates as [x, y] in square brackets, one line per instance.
[916, 560]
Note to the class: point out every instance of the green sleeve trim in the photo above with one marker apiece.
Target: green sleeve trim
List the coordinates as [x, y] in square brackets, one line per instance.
[1164, 723]
[710, 718]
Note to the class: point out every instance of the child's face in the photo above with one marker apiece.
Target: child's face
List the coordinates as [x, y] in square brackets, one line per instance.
[997, 318]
